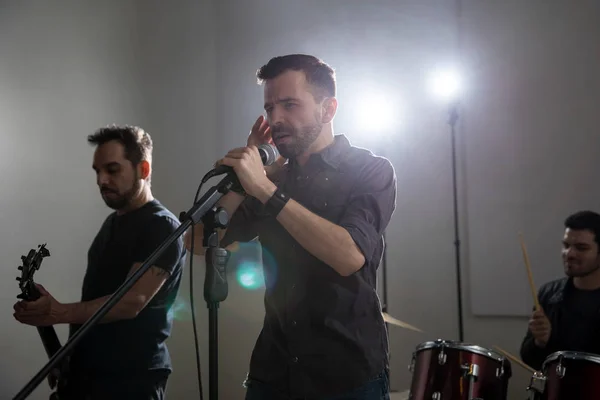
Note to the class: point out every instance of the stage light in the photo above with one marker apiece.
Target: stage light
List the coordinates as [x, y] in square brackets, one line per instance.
[445, 84]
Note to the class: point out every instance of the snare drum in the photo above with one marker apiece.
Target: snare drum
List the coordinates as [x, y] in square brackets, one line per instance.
[448, 370]
[567, 375]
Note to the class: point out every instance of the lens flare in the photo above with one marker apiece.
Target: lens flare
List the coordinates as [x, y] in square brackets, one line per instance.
[250, 275]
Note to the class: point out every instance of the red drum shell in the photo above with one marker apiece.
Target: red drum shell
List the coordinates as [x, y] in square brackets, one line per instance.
[449, 379]
[580, 379]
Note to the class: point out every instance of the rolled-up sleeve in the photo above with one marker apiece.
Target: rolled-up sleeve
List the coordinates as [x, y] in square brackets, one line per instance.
[371, 205]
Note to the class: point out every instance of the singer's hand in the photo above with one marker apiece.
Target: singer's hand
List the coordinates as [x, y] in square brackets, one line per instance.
[261, 134]
[248, 167]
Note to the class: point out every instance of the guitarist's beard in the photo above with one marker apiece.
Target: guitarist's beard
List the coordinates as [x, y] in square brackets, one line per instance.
[119, 201]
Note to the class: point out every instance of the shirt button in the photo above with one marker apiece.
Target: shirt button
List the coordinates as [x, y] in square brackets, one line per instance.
[295, 359]
[294, 323]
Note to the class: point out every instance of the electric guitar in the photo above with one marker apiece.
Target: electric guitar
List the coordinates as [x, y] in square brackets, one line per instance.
[29, 292]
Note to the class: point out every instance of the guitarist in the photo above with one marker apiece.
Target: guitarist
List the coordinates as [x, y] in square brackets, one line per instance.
[125, 355]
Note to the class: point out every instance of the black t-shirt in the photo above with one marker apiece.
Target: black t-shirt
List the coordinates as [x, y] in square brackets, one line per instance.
[134, 346]
[581, 324]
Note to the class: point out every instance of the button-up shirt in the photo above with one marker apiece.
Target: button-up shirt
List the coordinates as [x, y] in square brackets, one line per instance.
[323, 333]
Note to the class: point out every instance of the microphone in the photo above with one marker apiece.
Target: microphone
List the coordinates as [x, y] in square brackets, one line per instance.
[268, 155]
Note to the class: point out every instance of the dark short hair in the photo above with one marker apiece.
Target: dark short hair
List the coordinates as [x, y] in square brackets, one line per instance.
[585, 220]
[318, 73]
[136, 141]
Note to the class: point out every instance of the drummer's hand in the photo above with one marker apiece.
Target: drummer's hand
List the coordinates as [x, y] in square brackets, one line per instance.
[540, 328]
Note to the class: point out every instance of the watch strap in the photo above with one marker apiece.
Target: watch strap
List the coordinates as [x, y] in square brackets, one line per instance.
[276, 203]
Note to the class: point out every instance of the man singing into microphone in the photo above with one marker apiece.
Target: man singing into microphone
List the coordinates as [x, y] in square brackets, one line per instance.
[321, 216]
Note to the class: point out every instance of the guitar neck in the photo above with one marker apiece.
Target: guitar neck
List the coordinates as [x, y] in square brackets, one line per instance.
[49, 339]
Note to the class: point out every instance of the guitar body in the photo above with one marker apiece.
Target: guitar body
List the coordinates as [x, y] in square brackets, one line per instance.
[29, 292]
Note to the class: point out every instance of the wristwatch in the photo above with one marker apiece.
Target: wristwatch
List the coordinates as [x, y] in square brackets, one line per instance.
[276, 203]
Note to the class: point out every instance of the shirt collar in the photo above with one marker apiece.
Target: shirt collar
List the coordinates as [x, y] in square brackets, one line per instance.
[333, 154]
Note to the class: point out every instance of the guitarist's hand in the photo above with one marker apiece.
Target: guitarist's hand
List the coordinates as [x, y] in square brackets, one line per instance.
[44, 311]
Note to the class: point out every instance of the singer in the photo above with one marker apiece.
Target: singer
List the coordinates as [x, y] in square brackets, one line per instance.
[125, 356]
[321, 215]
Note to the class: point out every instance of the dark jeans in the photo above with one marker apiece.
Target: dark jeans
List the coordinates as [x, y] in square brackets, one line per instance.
[377, 388]
[130, 388]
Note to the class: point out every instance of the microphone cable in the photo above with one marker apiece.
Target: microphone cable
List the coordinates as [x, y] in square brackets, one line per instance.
[206, 177]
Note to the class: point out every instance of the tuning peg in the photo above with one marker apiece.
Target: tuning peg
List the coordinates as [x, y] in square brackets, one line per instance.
[23, 258]
[20, 268]
[19, 278]
[21, 296]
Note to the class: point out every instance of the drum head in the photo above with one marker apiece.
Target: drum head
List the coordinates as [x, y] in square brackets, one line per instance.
[468, 347]
[571, 355]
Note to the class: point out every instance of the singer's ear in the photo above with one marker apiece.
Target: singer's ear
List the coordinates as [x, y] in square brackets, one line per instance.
[329, 109]
[144, 169]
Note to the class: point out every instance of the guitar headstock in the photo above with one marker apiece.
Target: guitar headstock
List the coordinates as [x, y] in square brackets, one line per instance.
[31, 263]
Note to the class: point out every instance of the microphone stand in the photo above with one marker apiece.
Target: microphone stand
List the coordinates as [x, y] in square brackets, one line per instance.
[215, 284]
[452, 119]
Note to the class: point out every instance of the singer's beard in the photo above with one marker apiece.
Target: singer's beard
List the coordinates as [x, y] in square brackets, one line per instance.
[119, 201]
[297, 140]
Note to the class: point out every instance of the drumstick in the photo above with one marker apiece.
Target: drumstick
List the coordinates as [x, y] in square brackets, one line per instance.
[515, 359]
[391, 320]
[529, 274]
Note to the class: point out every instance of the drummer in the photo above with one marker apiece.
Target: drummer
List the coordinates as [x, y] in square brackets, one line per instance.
[570, 315]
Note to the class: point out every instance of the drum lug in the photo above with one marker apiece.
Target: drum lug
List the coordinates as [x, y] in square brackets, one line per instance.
[500, 372]
[442, 357]
[411, 366]
[436, 396]
[560, 369]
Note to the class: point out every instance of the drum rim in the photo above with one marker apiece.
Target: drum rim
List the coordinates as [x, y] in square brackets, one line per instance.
[452, 344]
[571, 355]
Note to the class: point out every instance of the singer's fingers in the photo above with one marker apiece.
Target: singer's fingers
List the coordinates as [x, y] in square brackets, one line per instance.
[263, 127]
[266, 137]
[258, 124]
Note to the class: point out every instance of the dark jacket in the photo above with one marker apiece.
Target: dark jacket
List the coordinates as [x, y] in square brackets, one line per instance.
[552, 297]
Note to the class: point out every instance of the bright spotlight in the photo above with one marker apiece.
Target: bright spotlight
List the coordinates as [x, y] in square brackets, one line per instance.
[376, 112]
[446, 84]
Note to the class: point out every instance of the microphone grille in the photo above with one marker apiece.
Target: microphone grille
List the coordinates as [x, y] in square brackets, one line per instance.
[270, 153]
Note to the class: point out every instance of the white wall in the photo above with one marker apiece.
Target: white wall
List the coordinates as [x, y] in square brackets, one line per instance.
[64, 71]
[186, 72]
[537, 101]
[177, 54]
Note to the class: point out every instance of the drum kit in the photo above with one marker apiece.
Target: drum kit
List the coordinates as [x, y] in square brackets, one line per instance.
[450, 370]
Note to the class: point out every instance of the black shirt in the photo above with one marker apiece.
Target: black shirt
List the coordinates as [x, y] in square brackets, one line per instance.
[134, 346]
[574, 316]
[323, 333]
